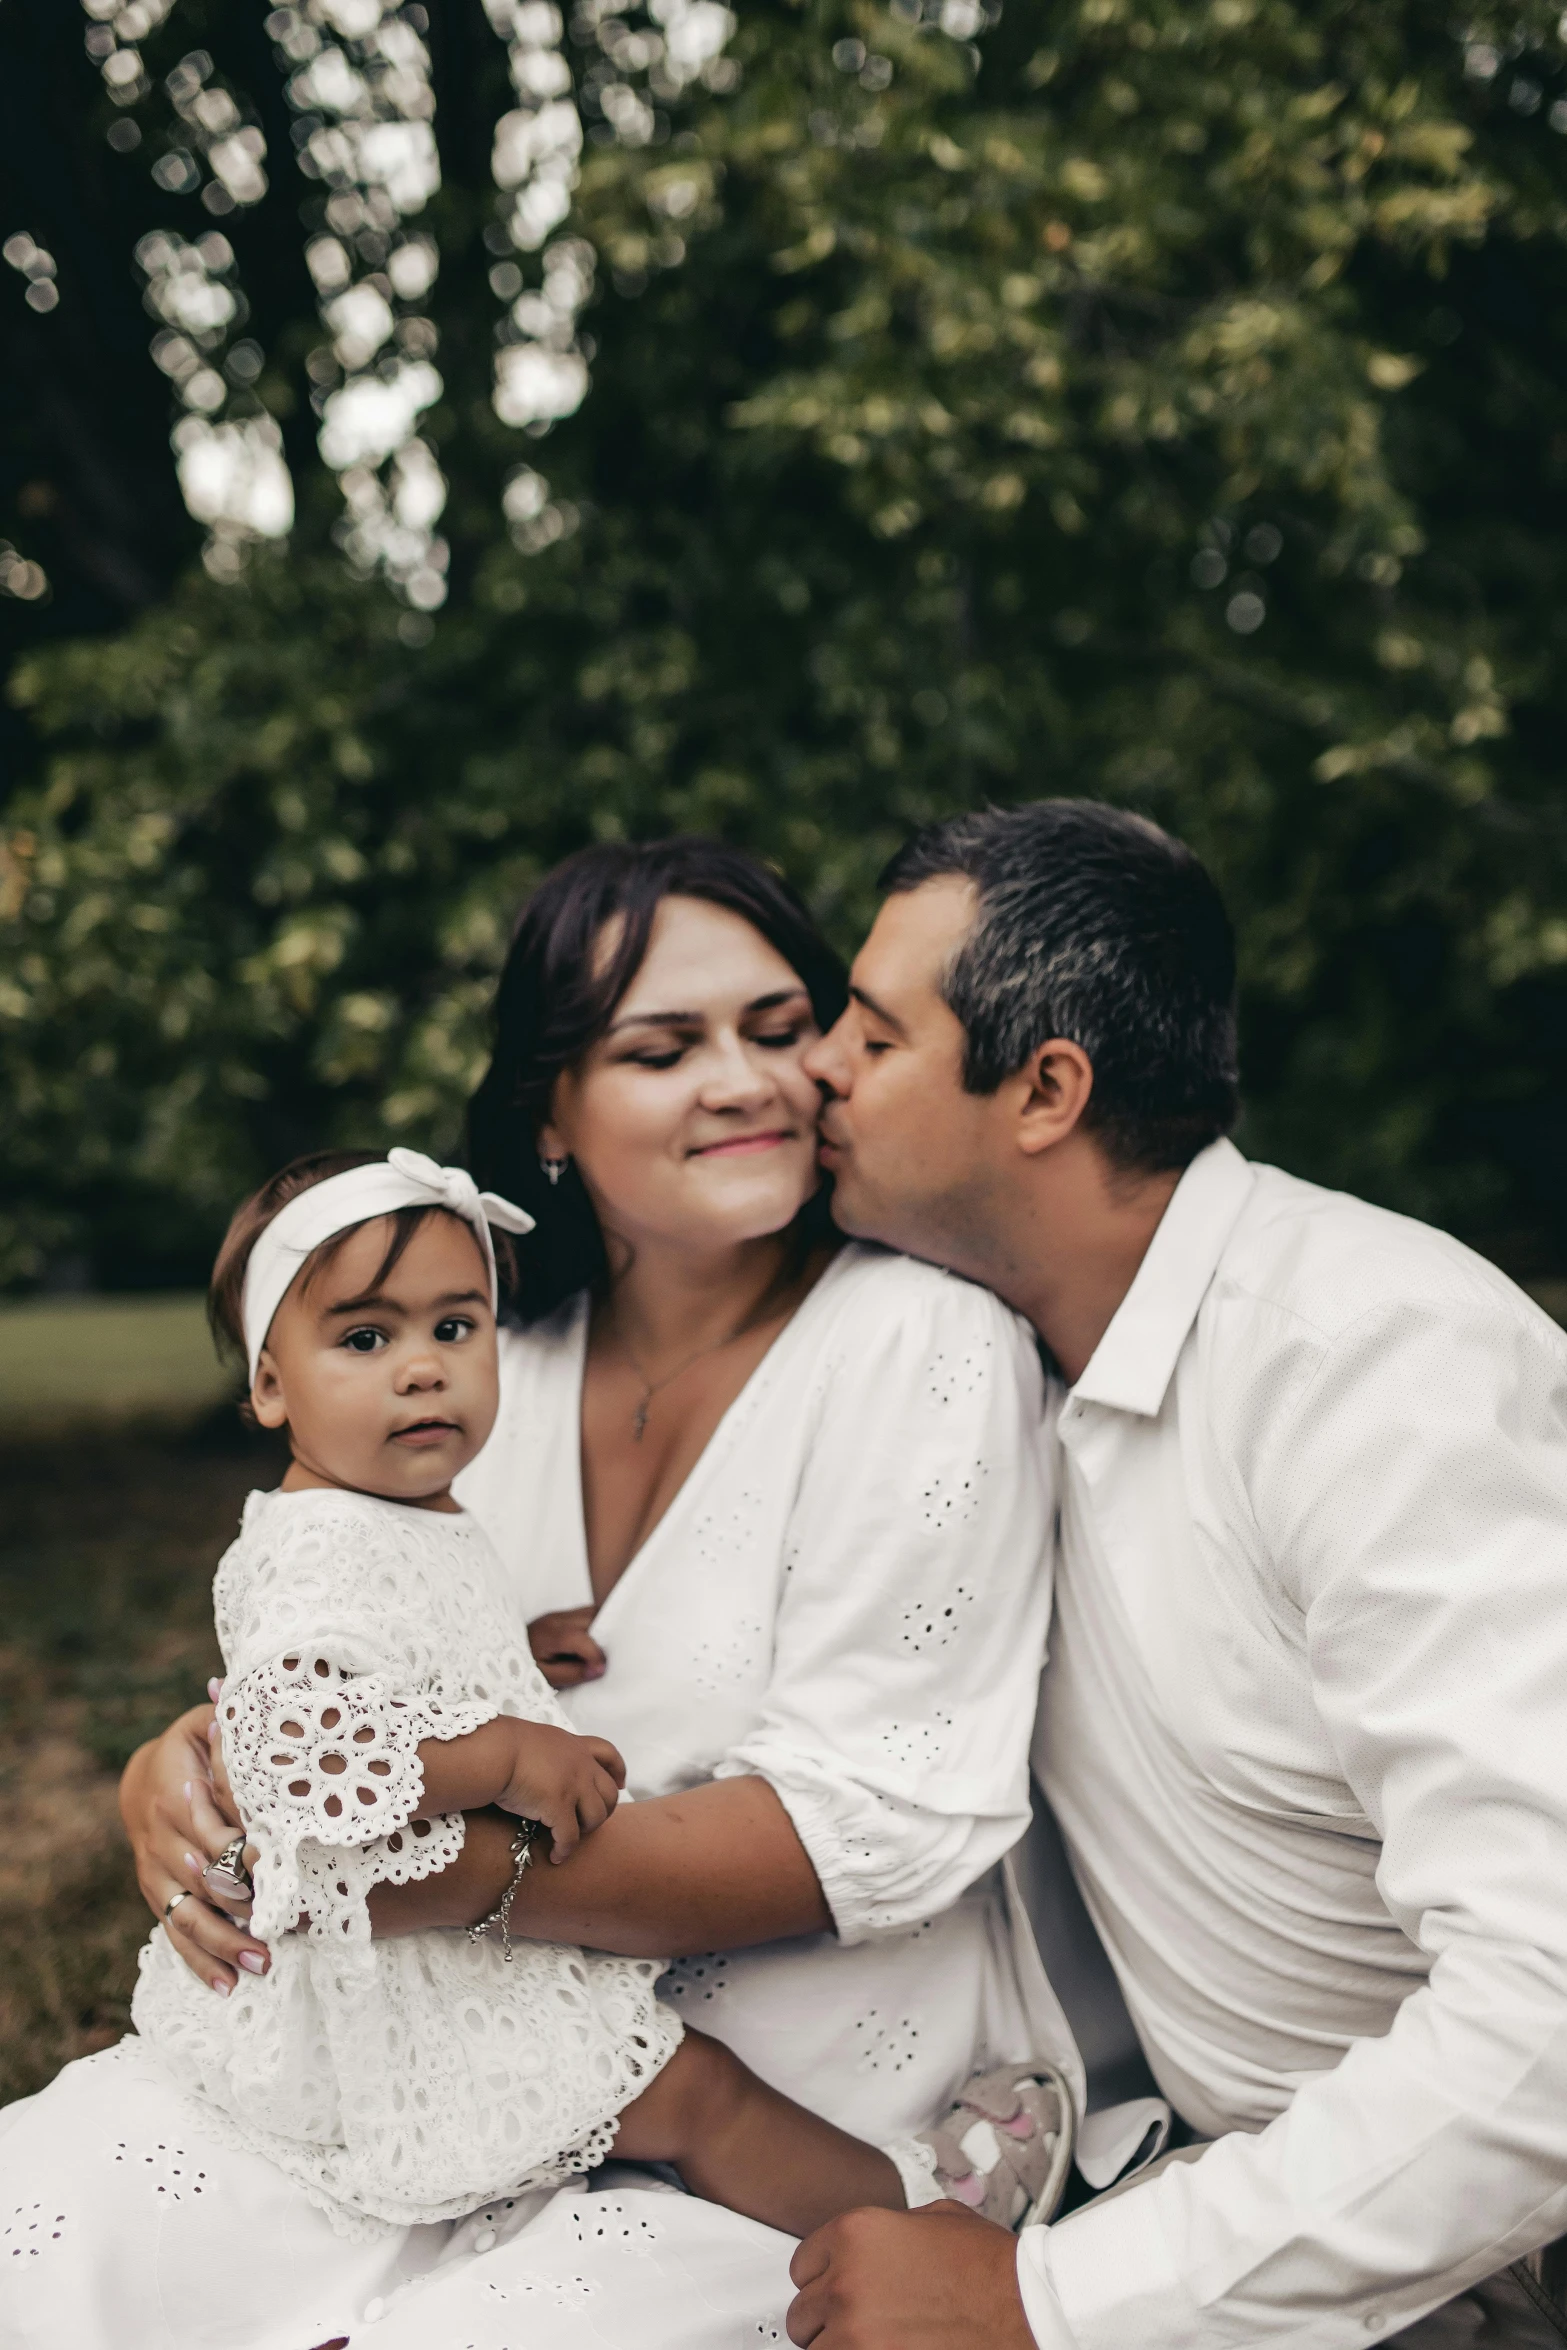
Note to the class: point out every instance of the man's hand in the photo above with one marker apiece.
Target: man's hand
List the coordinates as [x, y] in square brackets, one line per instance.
[568, 1783]
[937, 2279]
[564, 1650]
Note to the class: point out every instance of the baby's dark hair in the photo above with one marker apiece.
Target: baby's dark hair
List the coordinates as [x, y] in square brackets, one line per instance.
[225, 1296]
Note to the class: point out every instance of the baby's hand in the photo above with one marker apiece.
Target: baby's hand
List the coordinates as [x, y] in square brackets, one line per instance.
[569, 1784]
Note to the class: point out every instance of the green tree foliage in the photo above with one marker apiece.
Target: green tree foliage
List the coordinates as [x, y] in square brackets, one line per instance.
[1160, 399]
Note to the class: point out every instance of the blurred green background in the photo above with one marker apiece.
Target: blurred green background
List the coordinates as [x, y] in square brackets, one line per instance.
[1155, 398]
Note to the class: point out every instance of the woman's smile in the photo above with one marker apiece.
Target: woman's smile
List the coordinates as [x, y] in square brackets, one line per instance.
[739, 1145]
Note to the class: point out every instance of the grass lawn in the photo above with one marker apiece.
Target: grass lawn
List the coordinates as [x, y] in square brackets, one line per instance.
[96, 1362]
[122, 1471]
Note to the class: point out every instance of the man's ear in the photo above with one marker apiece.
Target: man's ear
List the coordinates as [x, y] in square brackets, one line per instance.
[1053, 1084]
[266, 1394]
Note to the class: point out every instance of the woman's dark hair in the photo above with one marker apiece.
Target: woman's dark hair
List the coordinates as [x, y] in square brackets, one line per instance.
[1093, 925]
[557, 996]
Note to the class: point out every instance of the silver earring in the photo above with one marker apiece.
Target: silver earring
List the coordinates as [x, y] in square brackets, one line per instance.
[554, 1169]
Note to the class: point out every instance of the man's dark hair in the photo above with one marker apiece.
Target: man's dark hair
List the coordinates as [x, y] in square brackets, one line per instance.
[1094, 926]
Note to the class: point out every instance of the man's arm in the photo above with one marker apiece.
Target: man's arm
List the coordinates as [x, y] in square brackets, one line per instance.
[1414, 1500]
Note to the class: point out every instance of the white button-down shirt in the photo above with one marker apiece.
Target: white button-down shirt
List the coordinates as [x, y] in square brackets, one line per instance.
[1305, 1731]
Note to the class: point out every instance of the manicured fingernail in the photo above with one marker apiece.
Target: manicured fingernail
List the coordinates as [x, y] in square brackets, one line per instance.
[252, 1962]
[222, 1989]
[189, 1791]
[193, 1864]
[214, 1689]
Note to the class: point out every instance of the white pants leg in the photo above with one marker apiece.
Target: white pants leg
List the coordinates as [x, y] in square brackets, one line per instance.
[620, 2267]
[126, 2224]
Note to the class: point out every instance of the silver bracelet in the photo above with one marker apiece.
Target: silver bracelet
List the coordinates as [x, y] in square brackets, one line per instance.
[521, 1862]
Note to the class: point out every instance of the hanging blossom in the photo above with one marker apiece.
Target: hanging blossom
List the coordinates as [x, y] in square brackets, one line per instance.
[115, 29]
[38, 265]
[231, 471]
[541, 368]
[212, 119]
[359, 83]
[228, 451]
[542, 358]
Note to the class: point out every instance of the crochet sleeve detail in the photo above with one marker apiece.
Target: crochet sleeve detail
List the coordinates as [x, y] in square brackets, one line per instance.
[335, 1634]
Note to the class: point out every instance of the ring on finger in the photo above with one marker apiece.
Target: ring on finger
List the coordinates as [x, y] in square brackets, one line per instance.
[228, 1876]
[172, 1904]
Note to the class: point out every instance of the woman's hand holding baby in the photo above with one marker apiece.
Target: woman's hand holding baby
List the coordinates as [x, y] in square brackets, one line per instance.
[179, 1815]
[564, 1649]
[569, 1784]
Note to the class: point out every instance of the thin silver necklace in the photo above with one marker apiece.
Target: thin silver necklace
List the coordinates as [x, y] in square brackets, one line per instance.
[652, 1387]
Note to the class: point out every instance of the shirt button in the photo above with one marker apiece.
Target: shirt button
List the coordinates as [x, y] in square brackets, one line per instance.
[1375, 2320]
[374, 2311]
[484, 2241]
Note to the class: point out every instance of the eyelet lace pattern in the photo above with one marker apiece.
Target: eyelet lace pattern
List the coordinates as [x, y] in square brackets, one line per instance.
[420, 2078]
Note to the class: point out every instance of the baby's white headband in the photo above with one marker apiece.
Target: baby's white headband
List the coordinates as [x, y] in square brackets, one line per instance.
[403, 1179]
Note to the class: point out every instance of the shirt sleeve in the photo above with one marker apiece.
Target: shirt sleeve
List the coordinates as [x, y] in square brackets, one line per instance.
[911, 1627]
[1415, 1503]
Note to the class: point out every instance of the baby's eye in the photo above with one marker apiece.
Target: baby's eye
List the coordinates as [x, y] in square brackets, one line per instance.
[364, 1341]
[452, 1329]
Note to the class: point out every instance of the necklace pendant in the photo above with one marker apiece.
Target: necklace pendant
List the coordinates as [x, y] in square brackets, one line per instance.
[639, 1421]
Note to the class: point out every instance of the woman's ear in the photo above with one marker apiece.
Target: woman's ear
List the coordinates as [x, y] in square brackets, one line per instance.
[266, 1394]
[554, 1141]
[1054, 1085]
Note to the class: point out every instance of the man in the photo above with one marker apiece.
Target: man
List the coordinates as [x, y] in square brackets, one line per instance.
[1302, 1727]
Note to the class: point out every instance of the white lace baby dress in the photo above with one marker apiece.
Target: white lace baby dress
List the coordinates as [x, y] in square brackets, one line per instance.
[418, 2078]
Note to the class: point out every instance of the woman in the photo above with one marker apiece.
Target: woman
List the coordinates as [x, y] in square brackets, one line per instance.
[797, 1492]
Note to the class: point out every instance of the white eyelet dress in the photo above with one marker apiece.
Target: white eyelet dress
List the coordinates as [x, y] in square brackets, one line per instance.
[848, 1598]
[412, 2079]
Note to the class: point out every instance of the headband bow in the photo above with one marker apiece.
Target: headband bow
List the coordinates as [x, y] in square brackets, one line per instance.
[455, 1188]
[403, 1179]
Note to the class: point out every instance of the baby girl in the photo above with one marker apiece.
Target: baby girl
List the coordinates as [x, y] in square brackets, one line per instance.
[378, 1685]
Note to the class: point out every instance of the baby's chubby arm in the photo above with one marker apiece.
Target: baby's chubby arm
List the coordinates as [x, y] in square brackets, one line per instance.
[569, 1784]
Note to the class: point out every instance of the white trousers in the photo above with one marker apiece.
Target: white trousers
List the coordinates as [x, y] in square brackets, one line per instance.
[127, 2224]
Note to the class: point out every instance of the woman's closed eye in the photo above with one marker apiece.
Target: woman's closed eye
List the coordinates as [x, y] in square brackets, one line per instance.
[773, 1040]
[780, 1040]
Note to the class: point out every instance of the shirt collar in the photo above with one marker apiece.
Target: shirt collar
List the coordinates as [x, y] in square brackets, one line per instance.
[1131, 1366]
